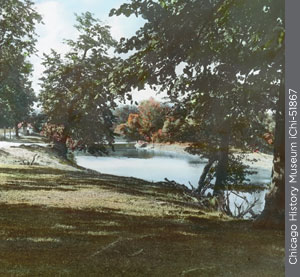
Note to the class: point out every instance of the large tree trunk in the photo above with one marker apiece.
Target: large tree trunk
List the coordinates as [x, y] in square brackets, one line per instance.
[222, 167]
[17, 130]
[273, 216]
[61, 145]
[222, 170]
[61, 148]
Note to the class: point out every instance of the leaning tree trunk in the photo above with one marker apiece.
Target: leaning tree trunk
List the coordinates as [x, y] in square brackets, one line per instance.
[273, 215]
[201, 183]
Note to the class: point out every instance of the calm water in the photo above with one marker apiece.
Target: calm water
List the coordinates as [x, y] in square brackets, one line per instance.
[154, 165]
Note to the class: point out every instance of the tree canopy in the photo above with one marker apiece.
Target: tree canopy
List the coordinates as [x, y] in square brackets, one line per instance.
[231, 56]
[146, 122]
[76, 90]
[17, 42]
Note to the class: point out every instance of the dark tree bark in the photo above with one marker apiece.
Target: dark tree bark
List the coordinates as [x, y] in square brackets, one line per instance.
[17, 130]
[61, 148]
[201, 182]
[221, 170]
[222, 167]
[273, 215]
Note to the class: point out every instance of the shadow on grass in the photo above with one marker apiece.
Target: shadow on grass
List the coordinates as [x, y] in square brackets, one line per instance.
[48, 241]
[43, 241]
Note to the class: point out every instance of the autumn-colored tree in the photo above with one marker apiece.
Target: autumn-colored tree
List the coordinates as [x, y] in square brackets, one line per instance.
[122, 113]
[147, 123]
[151, 118]
[133, 127]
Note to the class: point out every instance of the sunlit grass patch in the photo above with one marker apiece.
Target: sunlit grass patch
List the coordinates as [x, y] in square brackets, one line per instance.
[41, 239]
[63, 226]
[185, 233]
[100, 233]
[3, 233]
[107, 223]
[133, 226]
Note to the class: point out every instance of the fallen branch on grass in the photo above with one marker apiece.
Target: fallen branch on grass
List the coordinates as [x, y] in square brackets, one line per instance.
[110, 245]
[114, 243]
[136, 253]
[189, 271]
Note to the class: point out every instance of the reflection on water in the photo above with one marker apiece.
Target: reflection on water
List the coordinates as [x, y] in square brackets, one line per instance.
[147, 164]
[155, 165]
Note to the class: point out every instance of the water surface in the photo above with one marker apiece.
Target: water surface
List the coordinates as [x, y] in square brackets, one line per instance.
[155, 165]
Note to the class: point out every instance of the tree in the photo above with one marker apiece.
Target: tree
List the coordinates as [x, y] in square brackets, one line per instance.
[76, 90]
[131, 128]
[121, 113]
[146, 123]
[232, 67]
[175, 129]
[17, 95]
[17, 40]
[151, 118]
[273, 215]
[37, 120]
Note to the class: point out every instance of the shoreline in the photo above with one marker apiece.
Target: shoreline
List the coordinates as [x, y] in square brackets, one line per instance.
[85, 223]
[260, 159]
[36, 152]
[23, 150]
[168, 147]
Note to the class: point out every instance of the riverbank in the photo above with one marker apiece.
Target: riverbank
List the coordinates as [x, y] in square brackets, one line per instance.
[168, 147]
[260, 159]
[59, 220]
[31, 151]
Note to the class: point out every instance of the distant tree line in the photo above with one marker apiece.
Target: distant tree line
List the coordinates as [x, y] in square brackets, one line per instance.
[151, 121]
[154, 121]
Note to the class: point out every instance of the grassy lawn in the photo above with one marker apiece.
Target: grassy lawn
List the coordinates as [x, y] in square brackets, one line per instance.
[63, 223]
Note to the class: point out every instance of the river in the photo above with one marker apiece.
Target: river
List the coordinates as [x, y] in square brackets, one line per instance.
[156, 165]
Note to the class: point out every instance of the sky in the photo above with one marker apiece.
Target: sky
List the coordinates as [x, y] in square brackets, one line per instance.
[58, 18]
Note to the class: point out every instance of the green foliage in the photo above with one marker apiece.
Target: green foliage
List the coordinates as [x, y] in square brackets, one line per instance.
[76, 89]
[232, 58]
[171, 128]
[17, 40]
[37, 120]
[122, 113]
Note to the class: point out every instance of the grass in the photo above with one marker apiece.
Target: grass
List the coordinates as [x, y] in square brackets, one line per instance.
[75, 223]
